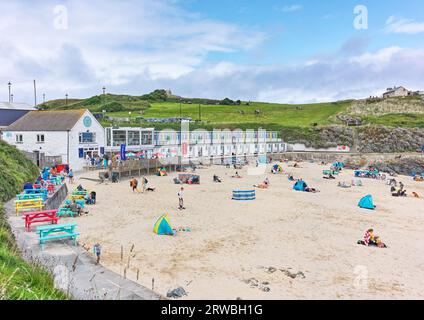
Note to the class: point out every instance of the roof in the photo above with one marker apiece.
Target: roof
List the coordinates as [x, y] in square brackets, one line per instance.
[7, 117]
[61, 120]
[16, 106]
[395, 89]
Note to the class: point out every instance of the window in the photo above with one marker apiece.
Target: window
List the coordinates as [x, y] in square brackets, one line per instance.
[119, 137]
[133, 138]
[19, 138]
[87, 137]
[40, 138]
[147, 138]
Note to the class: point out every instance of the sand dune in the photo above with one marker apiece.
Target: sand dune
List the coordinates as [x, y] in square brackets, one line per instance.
[284, 245]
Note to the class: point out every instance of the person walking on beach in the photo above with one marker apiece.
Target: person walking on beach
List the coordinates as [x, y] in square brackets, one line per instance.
[181, 199]
[134, 184]
[97, 249]
[71, 176]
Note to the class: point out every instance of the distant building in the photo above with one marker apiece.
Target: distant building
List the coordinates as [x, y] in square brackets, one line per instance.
[396, 92]
[68, 135]
[10, 112]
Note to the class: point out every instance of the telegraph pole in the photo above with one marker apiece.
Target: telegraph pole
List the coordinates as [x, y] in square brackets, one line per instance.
[9, 85]
[66, 99]
[35, 94]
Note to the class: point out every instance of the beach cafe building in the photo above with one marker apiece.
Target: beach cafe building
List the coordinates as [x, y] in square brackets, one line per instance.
[198, 143]
[65, 135]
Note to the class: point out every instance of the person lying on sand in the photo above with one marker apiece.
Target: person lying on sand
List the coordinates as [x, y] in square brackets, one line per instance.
[263, 185]
[415, 195]
[372, 240]
[419, 178]
[312, 190]
[329, 177]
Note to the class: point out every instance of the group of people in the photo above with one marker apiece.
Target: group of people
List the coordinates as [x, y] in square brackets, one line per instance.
[144, 185]
[98, 161]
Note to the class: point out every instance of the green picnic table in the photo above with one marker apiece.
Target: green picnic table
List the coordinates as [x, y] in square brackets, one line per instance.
[59, 231]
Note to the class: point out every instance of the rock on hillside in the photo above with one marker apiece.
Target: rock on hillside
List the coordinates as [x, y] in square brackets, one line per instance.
[386, 140]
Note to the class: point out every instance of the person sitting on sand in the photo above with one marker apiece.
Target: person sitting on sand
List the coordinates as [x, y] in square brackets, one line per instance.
[418, 178]
[236, 175]
[372, 240]
[80, 188]
[296, 165]
[216, 178]
[291, 177]
[344, 185]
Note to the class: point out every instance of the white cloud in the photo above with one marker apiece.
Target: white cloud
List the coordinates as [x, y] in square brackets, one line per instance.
[108, 43]
[407, 26]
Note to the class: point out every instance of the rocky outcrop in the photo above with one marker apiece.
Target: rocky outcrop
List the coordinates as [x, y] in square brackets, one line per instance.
[369, 139]
[399, 164]
[384, 140]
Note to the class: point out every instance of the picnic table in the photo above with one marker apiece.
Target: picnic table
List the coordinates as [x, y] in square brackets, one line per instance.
[58, 231]
[23, 196]
[328, 172]
[41, 191]
[65, 211]
[21, 205]
[39, 216]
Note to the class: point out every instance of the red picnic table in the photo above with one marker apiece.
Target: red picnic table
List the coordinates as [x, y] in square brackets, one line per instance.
[39, 216]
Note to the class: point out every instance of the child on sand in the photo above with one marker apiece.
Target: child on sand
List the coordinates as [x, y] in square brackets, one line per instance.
[181, 199]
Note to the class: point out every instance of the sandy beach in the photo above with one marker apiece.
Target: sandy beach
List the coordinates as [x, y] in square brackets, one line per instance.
[284, 245]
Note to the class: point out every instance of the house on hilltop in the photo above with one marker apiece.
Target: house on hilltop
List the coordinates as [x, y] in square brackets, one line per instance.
[396, 92]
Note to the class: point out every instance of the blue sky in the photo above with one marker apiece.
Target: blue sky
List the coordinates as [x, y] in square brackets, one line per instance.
[270, 50]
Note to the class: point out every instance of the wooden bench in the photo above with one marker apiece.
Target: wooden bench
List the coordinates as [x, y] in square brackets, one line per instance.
[55, 232]
[21, 205]
[39, 216]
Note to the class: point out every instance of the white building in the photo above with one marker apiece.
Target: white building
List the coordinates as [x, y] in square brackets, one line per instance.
[67, 134]
[199, 143]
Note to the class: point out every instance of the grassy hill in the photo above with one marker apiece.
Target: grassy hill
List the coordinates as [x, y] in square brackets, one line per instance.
[18, 279]
[393, 112]
[316, 125]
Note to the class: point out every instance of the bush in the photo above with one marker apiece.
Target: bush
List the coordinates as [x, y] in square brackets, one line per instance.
[112, 107]
[15, 170]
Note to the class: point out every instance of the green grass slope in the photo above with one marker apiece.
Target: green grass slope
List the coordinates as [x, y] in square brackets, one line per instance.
[18, 279]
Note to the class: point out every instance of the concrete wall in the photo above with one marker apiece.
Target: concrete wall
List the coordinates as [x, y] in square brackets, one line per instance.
[56, 200]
